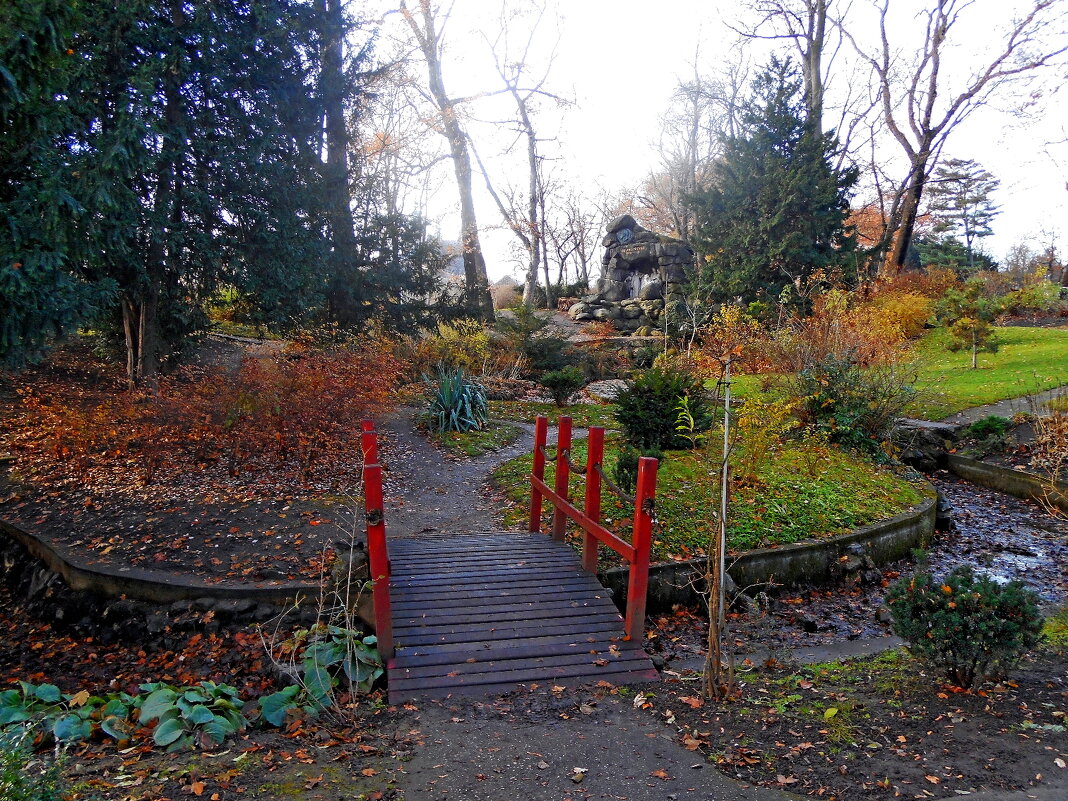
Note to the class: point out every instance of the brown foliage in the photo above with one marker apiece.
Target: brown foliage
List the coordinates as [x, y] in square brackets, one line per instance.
[292, 410]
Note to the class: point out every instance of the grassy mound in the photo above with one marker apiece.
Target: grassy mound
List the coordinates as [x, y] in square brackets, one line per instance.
[803, 492]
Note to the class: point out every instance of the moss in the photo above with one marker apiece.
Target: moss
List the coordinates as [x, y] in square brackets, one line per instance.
[1055, 629]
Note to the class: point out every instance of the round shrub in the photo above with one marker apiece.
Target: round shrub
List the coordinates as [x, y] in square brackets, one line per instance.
[990, 426]
[967, 625]
[563, 383]
[647, 410]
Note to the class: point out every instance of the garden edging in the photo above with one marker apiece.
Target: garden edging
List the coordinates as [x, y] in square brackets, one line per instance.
[1006, 479]
[802, 563]
[146, 585]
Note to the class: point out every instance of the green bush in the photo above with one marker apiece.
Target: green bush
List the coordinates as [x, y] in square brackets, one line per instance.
[456, 402]
[991, 426]
[647, 410]
[563, 383]
[24, 777]
[625, 470]
[854, 406]
[546, 354]
[967, 626]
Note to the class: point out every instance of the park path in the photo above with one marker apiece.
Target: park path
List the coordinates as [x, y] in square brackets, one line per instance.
[1032, 404]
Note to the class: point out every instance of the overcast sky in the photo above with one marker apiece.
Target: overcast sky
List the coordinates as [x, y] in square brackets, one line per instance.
[619, 60]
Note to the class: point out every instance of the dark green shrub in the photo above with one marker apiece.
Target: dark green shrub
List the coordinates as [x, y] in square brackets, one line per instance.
[646, 410]
[625, 470]
[24, 777]
[967, 626]
[546, 353]
[456, 402]
[855, 407]
[991, 426]
[563, 383]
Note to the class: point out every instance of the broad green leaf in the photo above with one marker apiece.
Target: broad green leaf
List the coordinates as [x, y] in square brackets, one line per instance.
[317, 681]
[117, 727]
[273, 707]
[168, 732]
[71, 727]
[830, 712]
[157, 703]
[49, 693]
[199, 714]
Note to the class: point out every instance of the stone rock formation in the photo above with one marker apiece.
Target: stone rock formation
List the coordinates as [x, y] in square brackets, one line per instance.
[642, 275]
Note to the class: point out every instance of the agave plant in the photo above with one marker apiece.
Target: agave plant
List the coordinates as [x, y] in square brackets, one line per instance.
[456, 402]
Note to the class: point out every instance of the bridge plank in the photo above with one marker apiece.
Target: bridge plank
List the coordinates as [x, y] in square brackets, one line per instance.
[487, 612]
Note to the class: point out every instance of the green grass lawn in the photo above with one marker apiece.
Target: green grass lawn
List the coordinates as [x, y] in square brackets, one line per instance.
[1028, 360]
[471, 444]
[582, 414]
[806, 492]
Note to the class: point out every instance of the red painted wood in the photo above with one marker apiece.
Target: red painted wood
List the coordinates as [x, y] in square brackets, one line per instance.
[624, 549]
[563, 474]
[369, 441]
[378, 556]
[537, 471]
[638, 587]
[592, 504]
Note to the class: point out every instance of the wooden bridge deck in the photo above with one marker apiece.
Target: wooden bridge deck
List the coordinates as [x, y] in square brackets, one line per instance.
[482, 613]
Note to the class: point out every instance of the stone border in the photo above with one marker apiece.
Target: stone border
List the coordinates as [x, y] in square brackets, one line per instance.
[147, 585]
[815, 561]
[1006, 479]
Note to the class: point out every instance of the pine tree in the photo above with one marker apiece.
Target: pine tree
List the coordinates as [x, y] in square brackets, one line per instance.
[775, 213]
[959, 200]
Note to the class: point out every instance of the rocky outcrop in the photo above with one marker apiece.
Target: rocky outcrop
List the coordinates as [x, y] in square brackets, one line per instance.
[643, 275]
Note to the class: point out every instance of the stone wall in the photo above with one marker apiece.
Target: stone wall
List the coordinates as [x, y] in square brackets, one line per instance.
[642, 275]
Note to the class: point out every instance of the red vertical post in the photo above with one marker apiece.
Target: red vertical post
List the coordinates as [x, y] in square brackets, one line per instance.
[592, 505]
[369, 442]
[378, 558]
[638, 588]
[541, 433]
[563, 474]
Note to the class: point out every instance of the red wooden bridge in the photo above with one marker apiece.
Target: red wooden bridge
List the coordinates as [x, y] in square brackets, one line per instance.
[485, 612]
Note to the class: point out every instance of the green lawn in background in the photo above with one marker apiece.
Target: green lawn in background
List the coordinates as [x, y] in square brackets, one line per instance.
[806, 492]
[1028, 360]
[582, 414]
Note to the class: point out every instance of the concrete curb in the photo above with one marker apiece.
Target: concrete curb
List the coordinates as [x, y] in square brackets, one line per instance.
[1014, 482]
[148, 585]
[810, 562]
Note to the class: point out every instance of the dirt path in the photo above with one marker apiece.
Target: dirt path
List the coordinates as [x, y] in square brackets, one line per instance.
[429, 493]
[528, 746]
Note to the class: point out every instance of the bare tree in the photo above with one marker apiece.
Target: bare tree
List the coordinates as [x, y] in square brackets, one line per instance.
[805, 23]
[920, 111]
[523, 213]
[703, 111]
[423, 23]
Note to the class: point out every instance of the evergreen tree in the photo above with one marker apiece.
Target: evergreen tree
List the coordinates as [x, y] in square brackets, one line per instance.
[49, 190]
[776, 211]
[959, 200]
[948, 251]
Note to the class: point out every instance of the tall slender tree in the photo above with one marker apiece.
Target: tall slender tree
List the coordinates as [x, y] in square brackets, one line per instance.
[423, 23]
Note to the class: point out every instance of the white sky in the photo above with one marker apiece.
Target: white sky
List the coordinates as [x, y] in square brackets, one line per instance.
[619, 61]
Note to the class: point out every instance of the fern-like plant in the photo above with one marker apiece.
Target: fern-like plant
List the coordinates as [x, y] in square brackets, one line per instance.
[457, 403]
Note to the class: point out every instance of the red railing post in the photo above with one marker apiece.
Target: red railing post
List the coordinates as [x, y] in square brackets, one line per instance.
[592, 505]
[638, 587]
[369, 442]
[377, 553]
[563, 474]
[541, 432]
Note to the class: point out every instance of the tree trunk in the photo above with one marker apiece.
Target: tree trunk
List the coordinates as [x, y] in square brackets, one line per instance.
[343, 293]
[902, 228]
[477, 297]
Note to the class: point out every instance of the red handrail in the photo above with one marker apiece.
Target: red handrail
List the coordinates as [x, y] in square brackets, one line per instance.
[377, 552]
[588, 518]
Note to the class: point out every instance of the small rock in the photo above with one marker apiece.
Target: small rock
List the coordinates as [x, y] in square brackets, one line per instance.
[883, 615]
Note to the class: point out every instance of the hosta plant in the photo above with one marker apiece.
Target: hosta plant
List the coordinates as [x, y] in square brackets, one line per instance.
[204, 714]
